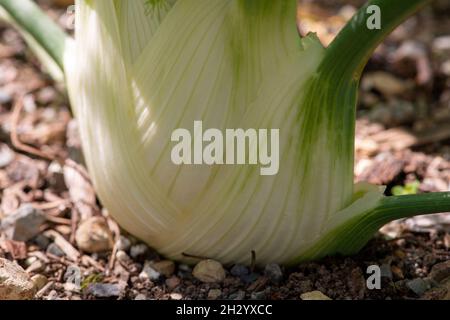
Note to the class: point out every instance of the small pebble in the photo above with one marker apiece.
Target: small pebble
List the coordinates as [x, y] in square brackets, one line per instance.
[314, 295]
[418, 286]
[6, 155]
[53, 295]
[71, 287]
[39, 281]
[56, 176]
[209, 271]
[36, 266]
[239, 270]
[123, 244]
[173, 282]
[93, 235]
[305, 285]
[30, 260]
[214, 294]
[46, 95]
[5, 97]
[184, 271]
[24, 224]
[240, 295]
[176, 296]
[386, 271]
[138, 251]
[105, 290]
[261, 295]
[55, 250]
[141, 297]
[184, 267]
[122, 256]
[441, 45]
[250, 278]
[149, 273]
[165, 267]
[440, 271]
[274, 273]
[42, 241]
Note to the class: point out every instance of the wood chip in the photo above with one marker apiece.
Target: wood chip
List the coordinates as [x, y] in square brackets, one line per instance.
[81, 191]
[402, 138]
[44, 290]
[40, 255]
[384, 168]
[88, 261]
[17, 249]
[65, 246]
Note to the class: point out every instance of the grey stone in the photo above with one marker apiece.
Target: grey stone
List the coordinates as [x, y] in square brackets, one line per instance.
[214, 294]
[184, 271]
[418, 286]
[139, 251]
[148, 272]
[261, 295]
[250, 278]
[386, 271]
[105, 290]
[6, 155]
[24, 224]
[123, 244]
[274, 273]
[5, 97]
[42, 241]
[239, 270]
[184, 268]
[55, 250]
[240, 295]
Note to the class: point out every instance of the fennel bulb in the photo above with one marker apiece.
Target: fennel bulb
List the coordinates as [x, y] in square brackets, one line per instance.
[139, 70]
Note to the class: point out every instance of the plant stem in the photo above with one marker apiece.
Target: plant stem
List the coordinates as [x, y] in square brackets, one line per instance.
[34, 21]
[390, 209]
[335, 91]
[352, 48]
[353, 235]
[397, 207]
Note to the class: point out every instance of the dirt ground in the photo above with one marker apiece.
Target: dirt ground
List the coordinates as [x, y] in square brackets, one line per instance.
[402, 141]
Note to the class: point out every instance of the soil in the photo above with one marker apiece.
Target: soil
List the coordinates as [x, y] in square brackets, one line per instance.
[402, 141]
